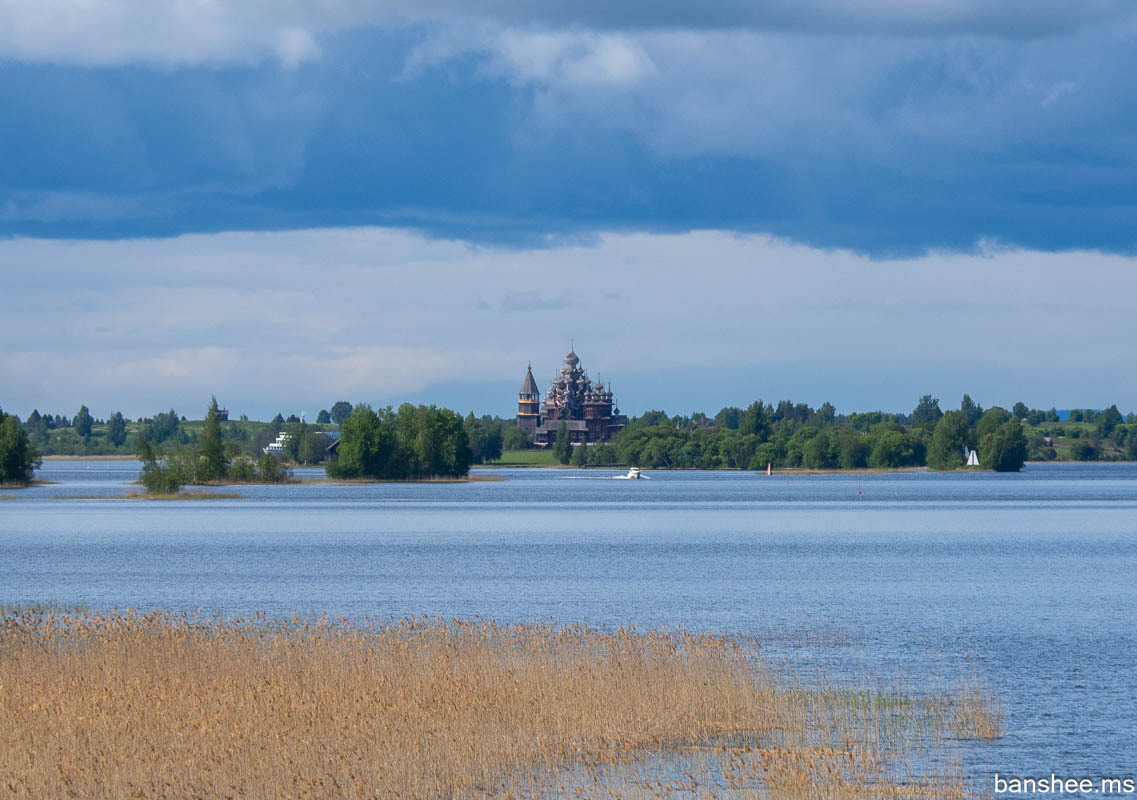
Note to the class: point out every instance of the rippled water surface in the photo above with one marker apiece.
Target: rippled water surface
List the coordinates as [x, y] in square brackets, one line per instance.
[1028, 579]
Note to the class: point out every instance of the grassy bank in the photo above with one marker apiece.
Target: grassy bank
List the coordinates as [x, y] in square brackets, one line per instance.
[166, 706]
[525, 458]
[471, 478]
[109, 457]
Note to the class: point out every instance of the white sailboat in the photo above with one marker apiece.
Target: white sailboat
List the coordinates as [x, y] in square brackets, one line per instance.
[972, 458]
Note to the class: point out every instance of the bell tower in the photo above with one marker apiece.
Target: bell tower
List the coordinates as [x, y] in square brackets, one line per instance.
[529, 404]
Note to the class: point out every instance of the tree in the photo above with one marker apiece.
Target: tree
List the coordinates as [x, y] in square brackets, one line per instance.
[323, 418]
[972, 410]
[314, 448]
[1020, 410]
[156, 476]
[728, 417]
[162, 427]
[116, 429]
[82, 422]
[18, 459]
[1110, 419]
[366, 445]
[949, 439]
[755, 420]
[580, 456]
[516, 438]
[927, 412]
[341, 410]
[34, 422]
[277, 423]
[297, 432]
[214, 464]
[1005, 449]
[854, 449]
[485, 437]
[826, 415]
[1084, 451]
[562, 447]
[991, 421]
[890, 450]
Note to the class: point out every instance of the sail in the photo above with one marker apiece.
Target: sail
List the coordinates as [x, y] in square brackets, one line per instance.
[973, 459]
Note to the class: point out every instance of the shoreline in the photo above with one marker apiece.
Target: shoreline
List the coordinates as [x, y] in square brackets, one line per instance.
[497, 466]
[115, 457]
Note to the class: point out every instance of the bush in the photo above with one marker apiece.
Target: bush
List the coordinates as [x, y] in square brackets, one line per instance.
[1004, 450]
[158, 476]
[1084, 451]
[242, 470]
[270, 469]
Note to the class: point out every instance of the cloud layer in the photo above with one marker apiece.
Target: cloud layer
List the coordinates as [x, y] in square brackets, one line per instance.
[297, 320]
[887, 127]
[116, 32]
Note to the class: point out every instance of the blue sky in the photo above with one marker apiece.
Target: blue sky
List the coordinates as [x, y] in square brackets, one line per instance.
[387, 201]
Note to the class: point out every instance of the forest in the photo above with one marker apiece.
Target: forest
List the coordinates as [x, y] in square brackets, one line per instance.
[414, 442]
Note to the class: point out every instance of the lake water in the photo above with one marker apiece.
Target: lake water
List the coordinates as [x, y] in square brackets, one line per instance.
[1027, 579]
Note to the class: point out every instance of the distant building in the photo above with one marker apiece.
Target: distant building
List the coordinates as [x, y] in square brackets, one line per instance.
[588, 411]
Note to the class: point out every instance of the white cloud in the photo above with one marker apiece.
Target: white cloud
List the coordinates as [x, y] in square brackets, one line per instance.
[295, 46]
[578, 59]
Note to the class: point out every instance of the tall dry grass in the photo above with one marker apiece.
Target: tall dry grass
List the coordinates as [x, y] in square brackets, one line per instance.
[125, 705]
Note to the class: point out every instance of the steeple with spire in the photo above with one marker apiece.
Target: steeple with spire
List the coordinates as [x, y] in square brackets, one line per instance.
[529, 398]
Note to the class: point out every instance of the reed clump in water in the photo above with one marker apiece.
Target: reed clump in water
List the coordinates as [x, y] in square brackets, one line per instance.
[161, 705]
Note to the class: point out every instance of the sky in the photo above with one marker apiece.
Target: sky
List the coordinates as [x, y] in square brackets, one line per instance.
[291, 203]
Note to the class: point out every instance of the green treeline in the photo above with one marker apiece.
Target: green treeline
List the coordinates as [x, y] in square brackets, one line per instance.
[791, 435]
[84, 435]
[413, 443]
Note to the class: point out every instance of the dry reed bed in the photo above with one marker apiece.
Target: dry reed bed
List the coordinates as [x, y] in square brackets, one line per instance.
[124, 705]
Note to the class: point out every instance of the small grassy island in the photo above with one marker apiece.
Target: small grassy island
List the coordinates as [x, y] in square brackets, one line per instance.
[162, 705]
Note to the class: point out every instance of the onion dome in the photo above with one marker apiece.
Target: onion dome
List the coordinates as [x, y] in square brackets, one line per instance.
[571, 359]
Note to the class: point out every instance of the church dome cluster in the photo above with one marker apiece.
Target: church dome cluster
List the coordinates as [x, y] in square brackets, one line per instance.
[588, 410]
